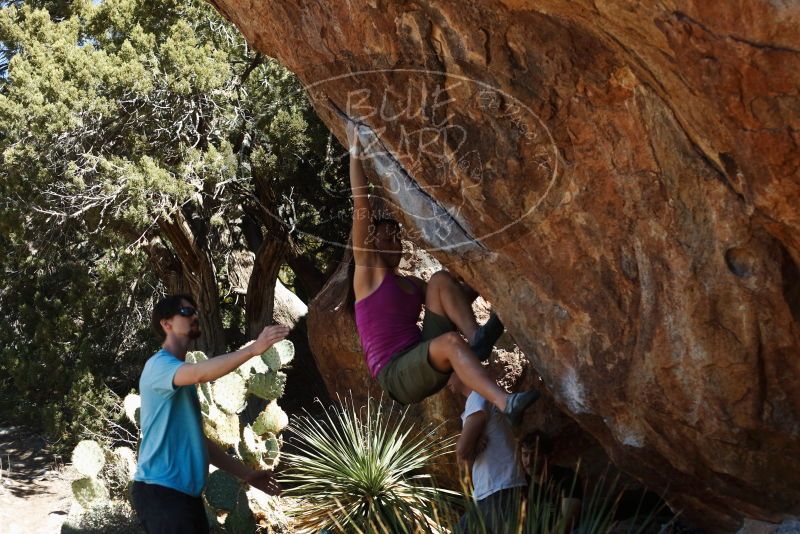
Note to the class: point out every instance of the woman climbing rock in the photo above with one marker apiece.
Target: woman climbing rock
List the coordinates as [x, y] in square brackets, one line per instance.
[411, 365]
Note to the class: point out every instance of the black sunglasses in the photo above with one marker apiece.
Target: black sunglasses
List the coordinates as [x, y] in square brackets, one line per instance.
[187, 311]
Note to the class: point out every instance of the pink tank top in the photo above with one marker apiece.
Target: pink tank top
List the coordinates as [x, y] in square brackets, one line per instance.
[387, 321]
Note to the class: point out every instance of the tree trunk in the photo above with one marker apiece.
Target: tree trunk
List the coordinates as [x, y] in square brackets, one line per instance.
[199, 275]
[167, 267]
[260, 297]
[308, 279]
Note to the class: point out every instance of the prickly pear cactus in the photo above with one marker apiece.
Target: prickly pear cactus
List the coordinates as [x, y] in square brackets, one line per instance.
[268, 510]
[241, 519]
[268, 386]
[271, 450]
[228, 430]
[117, 474]
[271, 421]
[88, 458]
[253, 365]
[258, 445]
[279, 354]
[125, 457]
[132, 404]
[252, 448]
[273, 445]
[204, 389]
[220, 427]
[89, 491]
[229, 393]
[271, 359]
[210, 413]
[222, 490]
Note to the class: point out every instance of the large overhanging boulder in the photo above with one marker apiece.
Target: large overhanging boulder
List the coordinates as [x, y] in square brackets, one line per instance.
[621, 180]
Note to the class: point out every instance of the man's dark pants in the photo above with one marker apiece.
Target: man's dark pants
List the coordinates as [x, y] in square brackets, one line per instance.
[500, 512]
[167, 511]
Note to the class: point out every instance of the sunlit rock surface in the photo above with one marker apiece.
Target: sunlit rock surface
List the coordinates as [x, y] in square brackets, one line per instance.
[626, 176]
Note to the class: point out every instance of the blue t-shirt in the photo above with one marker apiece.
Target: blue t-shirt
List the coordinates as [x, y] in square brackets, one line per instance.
[173, 450]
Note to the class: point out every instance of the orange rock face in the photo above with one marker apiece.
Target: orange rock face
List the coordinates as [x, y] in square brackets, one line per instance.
[620, 179]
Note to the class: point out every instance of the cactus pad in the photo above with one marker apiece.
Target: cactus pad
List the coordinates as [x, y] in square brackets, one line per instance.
[222, 490]
[269, 510]
[89, 491]
[210, 432]
[268, 386]
[228, 430]
[272, 420]
[117, 475]
[273, 447]
[241, 519]
[88, 458]
[253, 446]
[205, 405]
[229, 392]
[125, 458]
[279, 354]
[204, 394]
[253, 365]
[214, 414]
[272, 359]
[132, 404]
[204, 388]
[220, 427]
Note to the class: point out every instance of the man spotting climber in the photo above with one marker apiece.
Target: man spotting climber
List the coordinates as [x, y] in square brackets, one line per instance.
[411, 365]
[174, 453]
[486, 446]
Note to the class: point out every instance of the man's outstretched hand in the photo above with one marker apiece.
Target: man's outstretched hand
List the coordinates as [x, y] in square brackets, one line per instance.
[265, 481]
[268, 337]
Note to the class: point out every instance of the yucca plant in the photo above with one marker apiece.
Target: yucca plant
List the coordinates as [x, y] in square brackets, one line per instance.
[540, 511]
[364, 470]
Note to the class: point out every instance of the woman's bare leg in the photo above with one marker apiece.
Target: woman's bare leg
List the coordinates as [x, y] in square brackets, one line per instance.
[449, 352]
[445, 297]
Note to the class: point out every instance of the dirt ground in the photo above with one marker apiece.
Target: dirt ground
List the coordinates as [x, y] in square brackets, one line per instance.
[35, 493]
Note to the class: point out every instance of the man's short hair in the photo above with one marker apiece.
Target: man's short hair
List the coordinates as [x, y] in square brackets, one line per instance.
[166, 308]
[535, 439]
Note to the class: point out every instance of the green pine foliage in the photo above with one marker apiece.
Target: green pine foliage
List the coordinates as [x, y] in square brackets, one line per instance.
[113, 115]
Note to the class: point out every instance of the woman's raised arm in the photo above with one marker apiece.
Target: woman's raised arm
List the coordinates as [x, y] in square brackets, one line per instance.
[361, 211]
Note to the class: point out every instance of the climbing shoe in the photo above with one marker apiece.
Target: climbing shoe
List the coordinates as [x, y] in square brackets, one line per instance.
[486, 336]
[517, 403]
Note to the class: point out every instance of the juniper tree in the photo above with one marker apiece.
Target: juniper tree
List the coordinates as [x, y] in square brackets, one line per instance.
[145, 148]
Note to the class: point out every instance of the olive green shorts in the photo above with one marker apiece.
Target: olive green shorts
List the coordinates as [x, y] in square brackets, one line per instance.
[409, 376]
